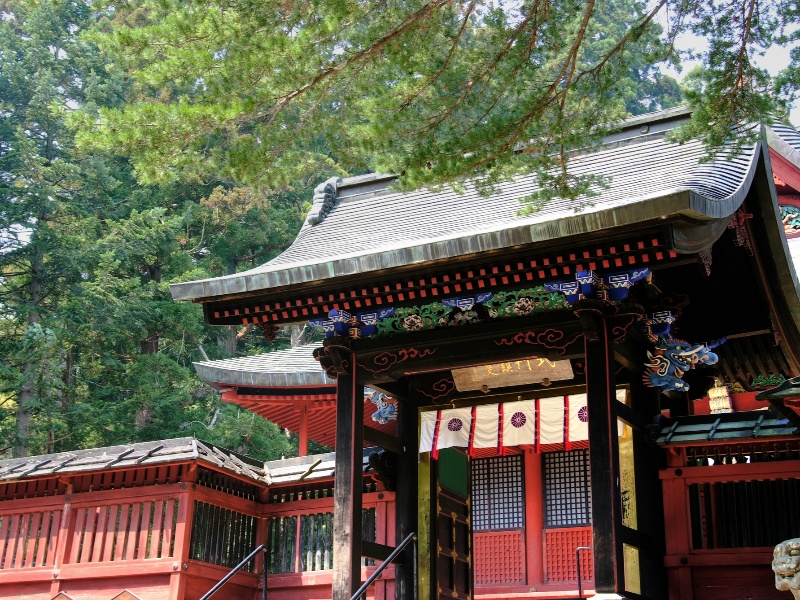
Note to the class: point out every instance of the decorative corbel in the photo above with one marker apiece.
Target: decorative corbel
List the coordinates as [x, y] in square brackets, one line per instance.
[340, 353]
[590, 317]
[325, 361]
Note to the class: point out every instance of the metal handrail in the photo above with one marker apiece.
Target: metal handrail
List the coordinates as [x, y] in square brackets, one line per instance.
[239, 567]
[411, 537]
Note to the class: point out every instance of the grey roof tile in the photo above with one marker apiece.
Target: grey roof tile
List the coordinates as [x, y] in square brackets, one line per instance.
[649, 177]
[740, 426]
[317, 466]
[127, 456]
[785, 140]
[293, 367]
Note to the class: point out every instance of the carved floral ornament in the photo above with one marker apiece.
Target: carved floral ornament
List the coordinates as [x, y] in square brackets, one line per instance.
[589, 293]
[611, 288]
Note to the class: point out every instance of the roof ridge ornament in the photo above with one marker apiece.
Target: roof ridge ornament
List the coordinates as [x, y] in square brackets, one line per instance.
[324, 201]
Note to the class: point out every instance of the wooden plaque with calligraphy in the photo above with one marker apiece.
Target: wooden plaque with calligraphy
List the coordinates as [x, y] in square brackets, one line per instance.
[517, 372]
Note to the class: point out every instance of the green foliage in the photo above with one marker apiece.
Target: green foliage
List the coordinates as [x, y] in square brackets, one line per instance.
[247, 433]
[729, 91]
[93, 351]
[257, 93]
[432, 90]
[171, 140]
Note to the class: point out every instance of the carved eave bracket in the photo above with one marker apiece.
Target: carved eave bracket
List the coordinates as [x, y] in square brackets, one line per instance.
[335, 356]
[619, 317]
[326, 362]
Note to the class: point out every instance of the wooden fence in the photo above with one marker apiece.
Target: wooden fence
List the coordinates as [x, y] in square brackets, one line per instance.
[171, 531]
[724, 522]
[28, 539]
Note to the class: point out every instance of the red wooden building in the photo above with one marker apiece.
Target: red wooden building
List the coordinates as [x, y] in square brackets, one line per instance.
[673, 279]
[549, 386]
[166, 520]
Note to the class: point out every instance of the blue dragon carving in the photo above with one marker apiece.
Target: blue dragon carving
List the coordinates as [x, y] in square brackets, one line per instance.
[672, 359]
[386, 410]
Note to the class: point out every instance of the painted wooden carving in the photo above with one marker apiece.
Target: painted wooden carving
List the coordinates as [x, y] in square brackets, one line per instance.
[588, 284]
[790, 218]
[386, 412]
[672, 358]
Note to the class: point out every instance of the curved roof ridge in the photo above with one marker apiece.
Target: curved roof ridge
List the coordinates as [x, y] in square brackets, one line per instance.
[785, 140]
[293, 367]
[650, 179]
[131, 455]
[721, 185]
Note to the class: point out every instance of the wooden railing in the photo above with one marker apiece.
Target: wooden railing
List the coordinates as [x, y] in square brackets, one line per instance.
[172, 531]
[300, 533]
[122, 531]
[49, 543]
[316, 542]
[28, 539]
[221, 536]
[724, 522]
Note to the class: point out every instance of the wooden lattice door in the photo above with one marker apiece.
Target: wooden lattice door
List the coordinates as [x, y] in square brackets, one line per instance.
[453, 562]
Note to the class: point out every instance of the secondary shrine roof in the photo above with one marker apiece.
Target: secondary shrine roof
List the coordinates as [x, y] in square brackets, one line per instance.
[295, 367]
[372, 227]
[739, 426]
[306, 468]
[143, 454]
[128, 456]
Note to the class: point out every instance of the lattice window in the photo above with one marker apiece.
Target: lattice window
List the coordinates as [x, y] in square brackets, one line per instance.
[567, 489]
[498, 500]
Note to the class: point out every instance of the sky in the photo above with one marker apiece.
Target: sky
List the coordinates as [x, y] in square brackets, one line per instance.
[774, 59]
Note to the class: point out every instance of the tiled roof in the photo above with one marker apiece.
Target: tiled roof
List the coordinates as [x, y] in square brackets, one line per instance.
[649, 178]
[93, 460]
[785, 140]
[283, 368]
[788, 389]
[130, 455]
[306, 468]
[749, 425]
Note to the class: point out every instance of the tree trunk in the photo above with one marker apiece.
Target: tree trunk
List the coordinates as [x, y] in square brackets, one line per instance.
[298, 334]
[24, 398]
[149, 345]
[27, 391]
[228, 340]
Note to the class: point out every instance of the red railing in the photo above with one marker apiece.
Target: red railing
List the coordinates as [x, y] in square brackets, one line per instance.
[188, 530]
[28, 539]
[122, 532]
[49, 543]
[300, 531]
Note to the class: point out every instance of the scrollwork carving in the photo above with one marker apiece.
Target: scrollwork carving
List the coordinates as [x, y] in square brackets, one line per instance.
[440, 389]
[553, 339]
[386, 360]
